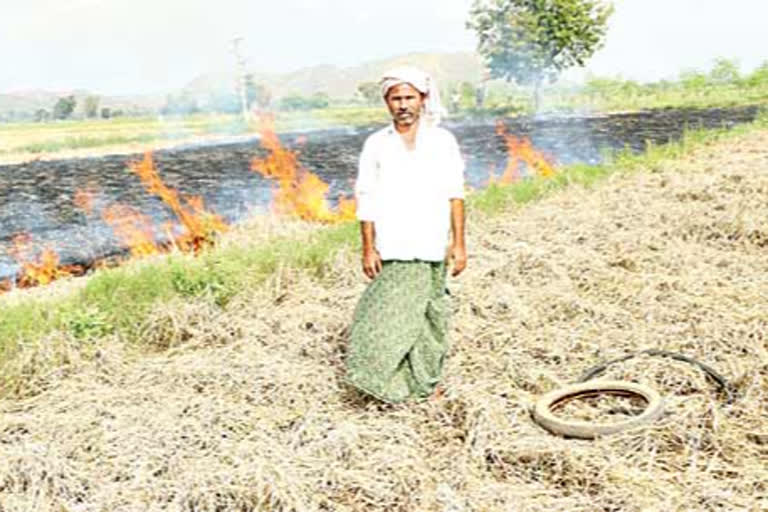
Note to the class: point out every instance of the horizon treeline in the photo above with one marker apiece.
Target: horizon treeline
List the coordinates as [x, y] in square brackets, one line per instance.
[457, 96]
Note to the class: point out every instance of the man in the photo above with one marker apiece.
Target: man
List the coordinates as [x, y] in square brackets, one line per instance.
[410, 195]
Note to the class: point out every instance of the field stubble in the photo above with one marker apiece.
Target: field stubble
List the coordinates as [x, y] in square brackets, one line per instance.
[243, 408]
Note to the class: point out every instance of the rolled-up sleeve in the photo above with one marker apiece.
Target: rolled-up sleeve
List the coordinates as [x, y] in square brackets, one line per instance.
[454, 168]
[365, 186]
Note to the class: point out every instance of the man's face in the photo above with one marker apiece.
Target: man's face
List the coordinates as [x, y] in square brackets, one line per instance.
[405, 103]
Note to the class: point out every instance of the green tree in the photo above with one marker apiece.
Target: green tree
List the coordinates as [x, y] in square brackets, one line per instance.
[42, 115]
[693, 80]
[759, 76]
[64, 107]
[370, 92]
[531, 41]
[724, 72]
[319, 100]
[601, 88]
[294, 102]
[91, 106]
[466, 95]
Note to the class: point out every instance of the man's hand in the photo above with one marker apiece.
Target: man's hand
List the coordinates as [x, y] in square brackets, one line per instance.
[371, 257]
[371, 262]
[458, 254]
[458, 250]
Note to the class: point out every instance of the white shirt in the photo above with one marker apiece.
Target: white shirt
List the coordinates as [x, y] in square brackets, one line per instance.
[407, 193]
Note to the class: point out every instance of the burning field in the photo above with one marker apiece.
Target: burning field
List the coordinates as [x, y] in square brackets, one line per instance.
[298, 194]
[79, 213]
[243, 407]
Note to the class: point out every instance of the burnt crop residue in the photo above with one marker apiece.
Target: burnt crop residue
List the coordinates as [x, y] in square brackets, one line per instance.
[44, 199]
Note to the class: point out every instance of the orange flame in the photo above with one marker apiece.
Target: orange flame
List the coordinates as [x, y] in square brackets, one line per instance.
[300, 193]
[200, 226]
[520, 150]
[37, 269]
[132, 228]
[135, 230]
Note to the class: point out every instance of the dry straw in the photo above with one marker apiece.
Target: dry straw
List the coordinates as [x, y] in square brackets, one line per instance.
[245, 409]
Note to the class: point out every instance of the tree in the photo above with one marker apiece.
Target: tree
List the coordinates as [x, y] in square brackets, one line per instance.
[724, 72]
[467, 95]
[294, 102]
[530, 41]
[64, 107]
[91, 106]
[370, 92]
[320, 100]
[693, 80]
[42, 115]
[759, 76]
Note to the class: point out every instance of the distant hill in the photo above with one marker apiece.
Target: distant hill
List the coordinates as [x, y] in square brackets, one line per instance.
[342, 82]
[335, 81]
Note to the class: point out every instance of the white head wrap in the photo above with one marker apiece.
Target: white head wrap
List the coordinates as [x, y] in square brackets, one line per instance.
[422, 82]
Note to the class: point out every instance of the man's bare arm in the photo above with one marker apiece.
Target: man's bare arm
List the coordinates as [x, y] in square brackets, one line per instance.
[371, 258]
[458, 251]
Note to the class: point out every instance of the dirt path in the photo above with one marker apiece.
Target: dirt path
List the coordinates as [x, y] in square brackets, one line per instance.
[247, 410]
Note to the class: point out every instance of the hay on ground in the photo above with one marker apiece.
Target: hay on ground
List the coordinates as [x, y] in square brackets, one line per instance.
[245, 409]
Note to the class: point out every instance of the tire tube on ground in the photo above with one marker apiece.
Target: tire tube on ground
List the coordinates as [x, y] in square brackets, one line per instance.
[543, 415]
[719, 379]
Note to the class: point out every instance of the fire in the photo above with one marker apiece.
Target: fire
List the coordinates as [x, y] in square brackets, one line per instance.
[134, 229]
[300, 193]
[37, 269]
[347, 208]
[200, 226]
[520, 150]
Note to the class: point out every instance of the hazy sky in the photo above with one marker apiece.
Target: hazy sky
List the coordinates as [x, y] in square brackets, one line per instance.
[132, 46]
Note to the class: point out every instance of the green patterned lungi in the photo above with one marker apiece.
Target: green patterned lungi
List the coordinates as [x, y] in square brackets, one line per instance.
[398, 338]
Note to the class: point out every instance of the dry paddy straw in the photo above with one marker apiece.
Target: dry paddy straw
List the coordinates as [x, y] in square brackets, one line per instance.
[244, 409]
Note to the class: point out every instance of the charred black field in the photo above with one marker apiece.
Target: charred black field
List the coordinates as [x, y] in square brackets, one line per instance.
[39, 197]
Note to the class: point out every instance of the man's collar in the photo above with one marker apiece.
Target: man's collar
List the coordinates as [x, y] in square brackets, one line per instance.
[391, 130]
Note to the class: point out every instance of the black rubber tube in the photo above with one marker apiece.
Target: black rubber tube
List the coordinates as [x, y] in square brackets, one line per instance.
[719, 379]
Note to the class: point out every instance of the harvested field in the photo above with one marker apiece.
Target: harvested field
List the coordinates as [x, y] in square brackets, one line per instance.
[244, 409]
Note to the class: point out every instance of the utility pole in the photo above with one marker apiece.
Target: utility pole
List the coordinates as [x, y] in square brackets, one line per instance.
[240, 77]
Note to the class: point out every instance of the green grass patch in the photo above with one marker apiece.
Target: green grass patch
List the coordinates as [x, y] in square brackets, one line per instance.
[629, 100]
[118, 299]
[80, 142]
